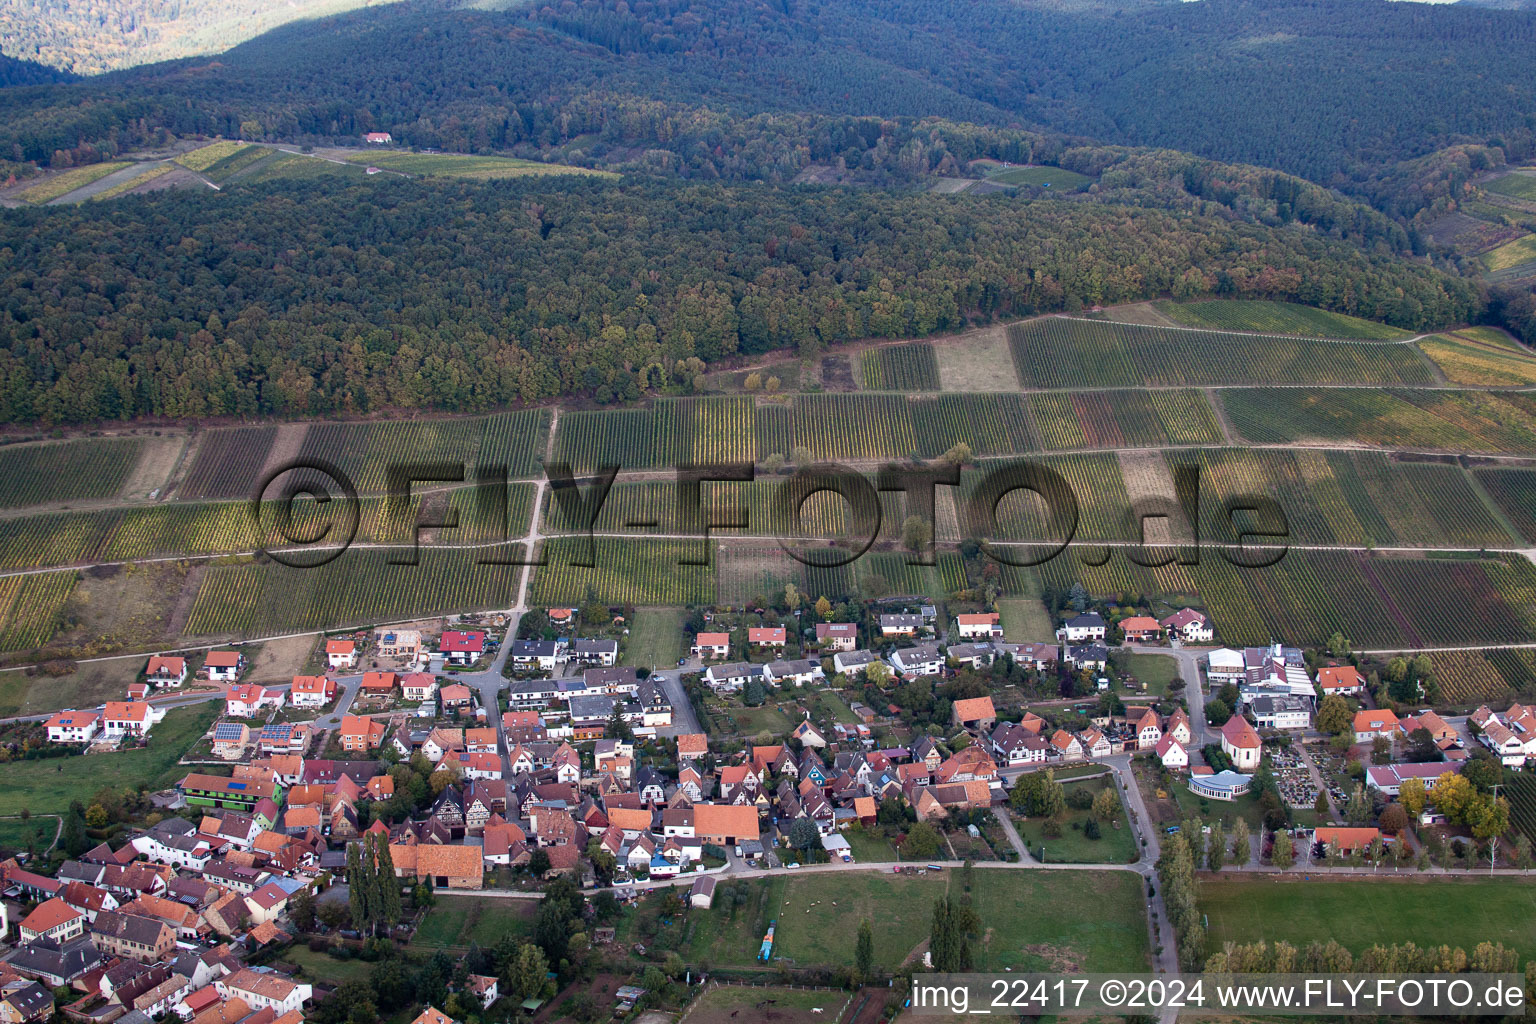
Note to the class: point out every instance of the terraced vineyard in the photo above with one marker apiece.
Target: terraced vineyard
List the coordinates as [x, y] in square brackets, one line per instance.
[228, 463]
[1348, 498]
[992, 424]
[360, 587]
[1096, 482]
[900, 368]
[1450, 421]
[1123, 419]
[704, 431]
[1276, 318]
[624, 572]
[1068, 353]
[61, 471]
[610, 437]
[1469, 678]
[1521, 793]
[885, 573]
[1515, 492]
[844, 427]
[30, 608]
[1377, 602]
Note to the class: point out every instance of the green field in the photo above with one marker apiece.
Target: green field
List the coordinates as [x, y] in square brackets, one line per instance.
[204, 157]
[322, 967]
[1115, 845]
[1123, 419]
[1277, 318]
[89, 685]
[643, 572]
[458, 921]
[1514, 490]
[476, 168]
[1025, 619]
[655, 638]
[150, 174]
[1054, 178]
[1359, 914]
[360, 587]
[1155, 670]
[65, 182]
[37, 831]
[1392, 603]
[1510, 254]
[47, 785]
[766, 1003]
[1480, 356]
[286, 166]
[1398, 418]
[1069, 353]
[1349, 498]
[751, 721]
[1515, 185]
[1032, 920]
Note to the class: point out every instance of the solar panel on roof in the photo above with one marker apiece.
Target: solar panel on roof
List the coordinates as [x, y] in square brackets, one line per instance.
[237, 785]
[227, 731]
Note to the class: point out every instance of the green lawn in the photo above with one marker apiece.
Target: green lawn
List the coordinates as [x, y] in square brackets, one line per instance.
[326, 968]
[1155, 670]
[1030, 919]
[90, 685]
[1025, 620]
[1054, 178]
[1519, 186]
[40, 829]
[728, 1001]
[1115, 845]
[458, 165]
[1061, 921]
[870, 847]
[834, 707]
[461, 920]
[44, 785]
[1455, 912]
[1521, 250]
[751, 721]
[655, 638]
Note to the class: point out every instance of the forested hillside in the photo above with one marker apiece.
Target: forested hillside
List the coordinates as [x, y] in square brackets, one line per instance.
[91, 36]
[308, 298]
[1330, 89]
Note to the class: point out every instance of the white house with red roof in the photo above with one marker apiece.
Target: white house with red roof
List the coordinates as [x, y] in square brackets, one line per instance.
[1172, 753]
[224, 666]
[1190, 626]
[460, 647]
[981, 624]
[766, 636]
[312, 691]
[341, 653]
[165, 671]
[419, 686]
[1141, 629]
[1340, 679]
[72, 726]
[1369, 724]
[129, 718]
[247, 700]
[711, 645]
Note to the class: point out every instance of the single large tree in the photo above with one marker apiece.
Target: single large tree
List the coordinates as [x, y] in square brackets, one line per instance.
[864, 951]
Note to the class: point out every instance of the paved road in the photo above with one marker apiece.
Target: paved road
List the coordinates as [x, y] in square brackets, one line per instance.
[684, 718]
